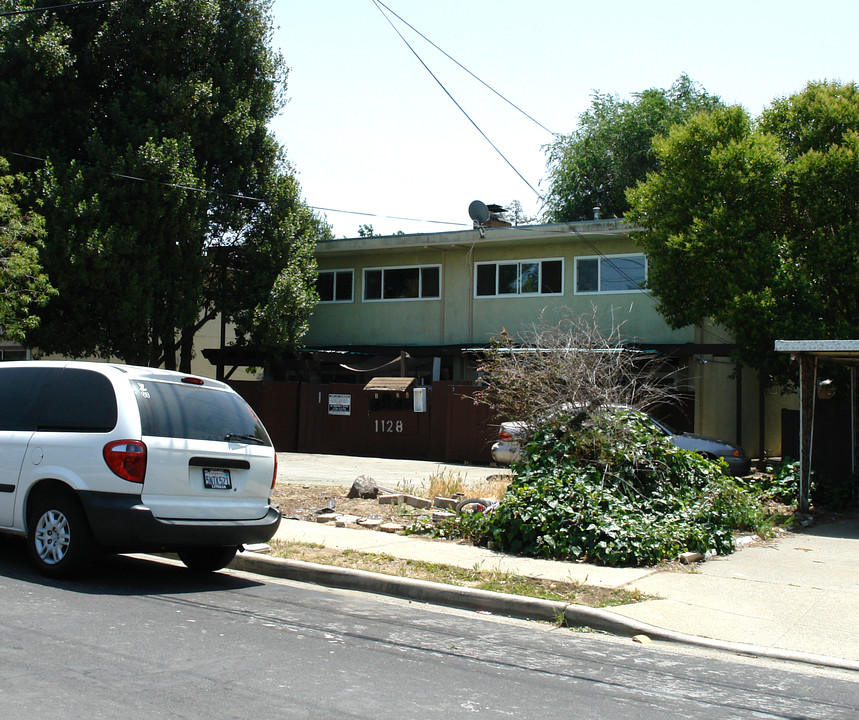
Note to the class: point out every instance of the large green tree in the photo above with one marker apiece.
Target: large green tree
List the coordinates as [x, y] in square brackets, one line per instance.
[277, 267]
[146, 124]
[23, 285]
[754, 225]
[612, 149]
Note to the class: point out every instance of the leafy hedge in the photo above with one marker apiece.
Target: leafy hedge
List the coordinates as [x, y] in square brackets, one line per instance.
[611, 490]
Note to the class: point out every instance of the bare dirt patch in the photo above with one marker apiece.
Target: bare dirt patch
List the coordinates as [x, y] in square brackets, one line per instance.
[304, 502]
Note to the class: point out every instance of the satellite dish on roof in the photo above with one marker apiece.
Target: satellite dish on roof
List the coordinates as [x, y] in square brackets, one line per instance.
[478, 212]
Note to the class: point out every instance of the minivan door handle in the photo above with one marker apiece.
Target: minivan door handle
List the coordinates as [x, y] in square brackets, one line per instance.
[214, 462]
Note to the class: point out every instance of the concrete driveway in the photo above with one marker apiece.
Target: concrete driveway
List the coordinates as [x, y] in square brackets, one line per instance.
[310, 469]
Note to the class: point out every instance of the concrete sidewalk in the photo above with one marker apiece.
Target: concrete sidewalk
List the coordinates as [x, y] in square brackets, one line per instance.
[795, 597]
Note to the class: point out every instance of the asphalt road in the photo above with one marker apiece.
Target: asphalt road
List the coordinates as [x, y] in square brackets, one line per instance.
[141, 639]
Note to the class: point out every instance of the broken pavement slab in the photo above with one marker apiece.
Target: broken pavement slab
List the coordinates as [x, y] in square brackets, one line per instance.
[405, 499]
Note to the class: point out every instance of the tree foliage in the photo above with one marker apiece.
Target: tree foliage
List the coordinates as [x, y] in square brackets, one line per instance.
[611, 150]
[278, 267]
[755, 225]
[23, 285]
[152, 117]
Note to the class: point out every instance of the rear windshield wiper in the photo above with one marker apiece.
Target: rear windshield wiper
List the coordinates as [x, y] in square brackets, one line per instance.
[244, 438]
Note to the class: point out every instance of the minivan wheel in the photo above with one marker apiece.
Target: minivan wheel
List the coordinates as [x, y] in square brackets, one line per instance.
[59, 538]
[207, 559]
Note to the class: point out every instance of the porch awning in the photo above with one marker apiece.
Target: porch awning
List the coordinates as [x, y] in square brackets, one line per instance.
[390, 384]
[808, 353]
[837, 351]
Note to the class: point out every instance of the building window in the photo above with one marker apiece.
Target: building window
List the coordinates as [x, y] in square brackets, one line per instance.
[611, 274]
[520, 277]
[8, 354]
[335, 285]
[403, 283]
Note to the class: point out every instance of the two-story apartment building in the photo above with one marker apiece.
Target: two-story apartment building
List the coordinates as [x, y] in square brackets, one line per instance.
[432, 299]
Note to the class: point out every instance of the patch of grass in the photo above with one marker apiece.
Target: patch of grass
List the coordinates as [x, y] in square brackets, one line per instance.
[497, 581]
[408, 487]
[776, 516]
[448, 483]
[518, 585]
[624, 597]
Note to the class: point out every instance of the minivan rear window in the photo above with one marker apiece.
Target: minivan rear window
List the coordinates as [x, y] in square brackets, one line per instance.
[193, 412]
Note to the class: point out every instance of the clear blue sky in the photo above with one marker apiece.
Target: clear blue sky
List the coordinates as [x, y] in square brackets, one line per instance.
[369, 130]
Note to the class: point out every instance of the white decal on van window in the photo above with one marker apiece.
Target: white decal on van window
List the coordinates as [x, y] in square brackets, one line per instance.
[141, 388]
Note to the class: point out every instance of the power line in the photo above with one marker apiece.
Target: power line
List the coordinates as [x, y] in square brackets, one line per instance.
[387, 217]
[454, 60]
[66, 6]
[249, 198]
[453, 100]
[149, 181]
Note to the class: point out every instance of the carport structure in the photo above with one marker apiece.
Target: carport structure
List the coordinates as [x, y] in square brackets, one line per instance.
[808, 354]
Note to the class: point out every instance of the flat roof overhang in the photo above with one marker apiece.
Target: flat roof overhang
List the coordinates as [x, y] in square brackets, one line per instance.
[488, 237]
[838, 351]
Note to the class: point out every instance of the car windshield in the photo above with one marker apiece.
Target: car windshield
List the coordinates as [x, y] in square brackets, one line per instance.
[667, 429]
[196, 413]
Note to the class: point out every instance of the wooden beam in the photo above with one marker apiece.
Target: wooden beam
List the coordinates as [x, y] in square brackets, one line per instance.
[807, 371]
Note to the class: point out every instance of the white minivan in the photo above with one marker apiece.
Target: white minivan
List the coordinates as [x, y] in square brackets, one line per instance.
[100, 456]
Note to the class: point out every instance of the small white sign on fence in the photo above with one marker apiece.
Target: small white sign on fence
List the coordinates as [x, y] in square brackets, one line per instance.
[339, 404]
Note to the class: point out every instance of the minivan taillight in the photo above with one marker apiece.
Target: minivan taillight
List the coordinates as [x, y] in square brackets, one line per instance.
[127, 459]
[274, 476]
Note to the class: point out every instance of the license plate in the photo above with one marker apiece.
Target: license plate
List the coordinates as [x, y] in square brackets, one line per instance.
[217, 479]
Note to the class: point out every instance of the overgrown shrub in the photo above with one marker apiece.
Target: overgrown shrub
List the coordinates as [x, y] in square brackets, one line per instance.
[610, 490]
[780, 482]
[835, 493]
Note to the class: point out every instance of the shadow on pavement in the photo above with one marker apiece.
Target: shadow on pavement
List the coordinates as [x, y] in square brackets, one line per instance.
[119, 575]
[845, 526]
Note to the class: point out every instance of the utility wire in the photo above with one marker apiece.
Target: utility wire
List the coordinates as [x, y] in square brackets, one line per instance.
[249, 198]
[148, 181]
[67, 6]
[454, 60]
[453, 100]
[388, 217]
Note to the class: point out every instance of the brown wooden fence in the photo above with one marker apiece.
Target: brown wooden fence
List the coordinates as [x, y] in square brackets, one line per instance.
[345, 419]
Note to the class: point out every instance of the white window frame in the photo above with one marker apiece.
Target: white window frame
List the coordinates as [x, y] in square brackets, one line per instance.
[519, 262]
[386, 268]
[600, 260]
[334, 301]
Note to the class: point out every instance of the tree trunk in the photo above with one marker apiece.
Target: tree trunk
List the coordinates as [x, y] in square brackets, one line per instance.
[186, 349]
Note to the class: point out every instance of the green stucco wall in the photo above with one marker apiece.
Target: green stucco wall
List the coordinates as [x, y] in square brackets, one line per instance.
[461, 318]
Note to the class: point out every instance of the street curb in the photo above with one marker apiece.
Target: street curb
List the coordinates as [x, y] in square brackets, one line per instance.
[508, 605]
[402, 587]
